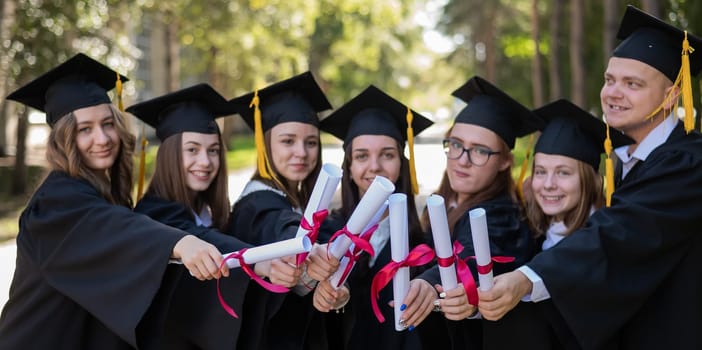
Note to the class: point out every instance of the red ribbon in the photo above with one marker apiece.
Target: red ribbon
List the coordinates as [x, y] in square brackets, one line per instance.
[485, 269]
[239, 255]
[361, 244]
[464, 275]
[312, 230]
[420, 255]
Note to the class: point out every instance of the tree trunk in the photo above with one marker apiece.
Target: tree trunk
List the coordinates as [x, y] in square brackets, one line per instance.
[577, 62]
[172, 56]
[536, 66]
[554, 66]
[19, 179]
[7, 21]
[611, 25]
[652, 7]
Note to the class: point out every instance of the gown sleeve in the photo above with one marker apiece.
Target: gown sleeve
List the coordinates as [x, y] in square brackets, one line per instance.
[104, 257]
[602, 275]
[263, 217]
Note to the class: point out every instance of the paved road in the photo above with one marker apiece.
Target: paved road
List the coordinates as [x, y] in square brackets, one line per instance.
[430, 165]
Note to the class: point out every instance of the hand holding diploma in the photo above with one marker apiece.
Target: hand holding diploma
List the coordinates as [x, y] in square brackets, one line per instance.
[398, 269]
[508, 289]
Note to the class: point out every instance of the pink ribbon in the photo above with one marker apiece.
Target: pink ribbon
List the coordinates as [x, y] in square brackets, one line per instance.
[361, 244]
[239, 255]
[420, 255]
[312, 231]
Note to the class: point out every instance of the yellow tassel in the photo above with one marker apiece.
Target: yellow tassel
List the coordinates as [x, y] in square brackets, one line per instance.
[525, 166]
[410, 144]
[686, 85]
[118, 86]
[609, 169]
[142, 164]
[264, 167]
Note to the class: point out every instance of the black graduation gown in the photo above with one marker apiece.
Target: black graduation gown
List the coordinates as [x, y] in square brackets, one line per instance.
[509, 236]
[272, 321]
[196, 320]
[630, 279]
[359, 328]
[87, 270]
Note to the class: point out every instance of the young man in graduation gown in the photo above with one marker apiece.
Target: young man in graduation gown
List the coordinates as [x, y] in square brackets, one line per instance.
[631, 279]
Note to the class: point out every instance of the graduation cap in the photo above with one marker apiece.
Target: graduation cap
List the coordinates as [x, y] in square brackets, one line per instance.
[664, 47]
[493, 109]
[297, 99]
[77, 83]
[373, 112]
[573, 132]
[194, 109]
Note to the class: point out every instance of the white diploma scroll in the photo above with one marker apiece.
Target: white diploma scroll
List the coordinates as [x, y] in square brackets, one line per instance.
[322, 194]
[335, 278]
[274, 250]
[481, 245]
[379, 191]
[399, 248]
[442, 239]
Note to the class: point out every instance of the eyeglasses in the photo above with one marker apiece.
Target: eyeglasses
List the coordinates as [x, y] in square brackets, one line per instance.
[477, 155]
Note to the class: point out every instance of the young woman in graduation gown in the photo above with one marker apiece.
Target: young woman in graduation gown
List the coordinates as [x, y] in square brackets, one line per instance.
[565, 189]
[478, 175]
[373, 127]
[270, 207]
[88, 268]
[189, 191]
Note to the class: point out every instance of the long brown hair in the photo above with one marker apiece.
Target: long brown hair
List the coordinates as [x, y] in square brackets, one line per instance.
[63, 155]
[592, 195]
[503, 183]
[350, 197]
[299, 196]
[171, 185]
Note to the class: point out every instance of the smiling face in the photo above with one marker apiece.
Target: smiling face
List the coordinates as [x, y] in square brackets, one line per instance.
[373, 155]
[631, 91]
[294, 150]
[200, 159]
[96, 137]
[556, 184]
[467, 179]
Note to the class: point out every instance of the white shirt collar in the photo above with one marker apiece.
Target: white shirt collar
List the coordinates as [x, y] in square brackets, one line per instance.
[655, 138]
[204, 218]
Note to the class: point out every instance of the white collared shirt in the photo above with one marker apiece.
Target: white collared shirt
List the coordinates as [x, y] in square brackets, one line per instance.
[654, 139]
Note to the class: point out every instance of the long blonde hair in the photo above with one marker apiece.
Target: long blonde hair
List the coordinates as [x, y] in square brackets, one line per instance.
[170, 184]
[63, 155]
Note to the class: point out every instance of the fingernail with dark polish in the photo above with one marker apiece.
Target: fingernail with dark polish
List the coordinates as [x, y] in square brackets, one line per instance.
[403, 307]
[411, 328]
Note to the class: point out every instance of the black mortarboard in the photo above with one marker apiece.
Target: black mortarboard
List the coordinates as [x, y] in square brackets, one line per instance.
[77, 83]
[573, 132]
[656, 43]
[373, 112]
[493, 109]
[192, 109]
[297, 99]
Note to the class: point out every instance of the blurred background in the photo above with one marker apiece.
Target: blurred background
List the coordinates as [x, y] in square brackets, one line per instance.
[418, 51]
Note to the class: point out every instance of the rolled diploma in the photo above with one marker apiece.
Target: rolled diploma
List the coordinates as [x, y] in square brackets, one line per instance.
[481, 245]
[273, 250]
[322, 194]
[336, 277]
[379, 191]
[399, 248]
[442, 239]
